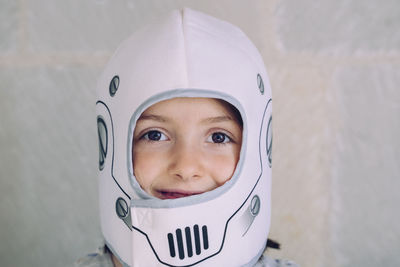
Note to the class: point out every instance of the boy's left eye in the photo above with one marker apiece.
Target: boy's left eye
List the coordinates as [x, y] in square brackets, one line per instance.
[219, 138]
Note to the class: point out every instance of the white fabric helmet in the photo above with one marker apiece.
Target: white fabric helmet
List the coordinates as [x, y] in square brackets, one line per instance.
[186, 54]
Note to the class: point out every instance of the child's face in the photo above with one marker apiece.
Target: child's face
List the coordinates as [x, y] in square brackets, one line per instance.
[185, 146]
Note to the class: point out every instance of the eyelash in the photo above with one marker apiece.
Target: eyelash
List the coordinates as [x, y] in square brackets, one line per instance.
[227, 138]
[145, 136]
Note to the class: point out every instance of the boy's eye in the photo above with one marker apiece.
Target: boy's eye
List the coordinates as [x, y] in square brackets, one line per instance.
[154, 136]
[219, 138]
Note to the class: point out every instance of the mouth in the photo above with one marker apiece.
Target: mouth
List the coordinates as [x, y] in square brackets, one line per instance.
[173, 194]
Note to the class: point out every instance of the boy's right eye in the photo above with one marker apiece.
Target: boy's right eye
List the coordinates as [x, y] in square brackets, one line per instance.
[154, 136]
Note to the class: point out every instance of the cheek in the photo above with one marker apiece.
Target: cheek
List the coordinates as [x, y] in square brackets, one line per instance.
[144, 168]
[222, 167]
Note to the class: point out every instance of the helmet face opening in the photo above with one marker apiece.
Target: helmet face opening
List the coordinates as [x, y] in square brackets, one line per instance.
[200, 102]
[175, 115]
[186, 146]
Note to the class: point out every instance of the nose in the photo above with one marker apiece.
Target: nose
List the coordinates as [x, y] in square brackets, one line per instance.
[186, 162]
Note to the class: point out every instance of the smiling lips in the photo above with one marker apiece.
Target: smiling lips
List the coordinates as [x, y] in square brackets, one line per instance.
[172, 194]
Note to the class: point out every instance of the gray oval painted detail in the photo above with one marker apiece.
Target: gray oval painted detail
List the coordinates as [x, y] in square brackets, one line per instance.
[114, 84]
[255, 205]
[121, 207]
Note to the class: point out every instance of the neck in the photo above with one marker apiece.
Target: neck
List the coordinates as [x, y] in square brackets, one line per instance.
[115, 261]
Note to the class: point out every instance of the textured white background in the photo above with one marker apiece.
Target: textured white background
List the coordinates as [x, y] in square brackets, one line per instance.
[334, 66]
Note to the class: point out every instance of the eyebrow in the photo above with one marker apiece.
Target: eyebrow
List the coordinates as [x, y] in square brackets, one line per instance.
[153, 117]
[206, 120]
[217, 119]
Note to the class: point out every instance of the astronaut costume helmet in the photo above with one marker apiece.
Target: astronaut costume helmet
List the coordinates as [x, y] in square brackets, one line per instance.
[185, 54]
